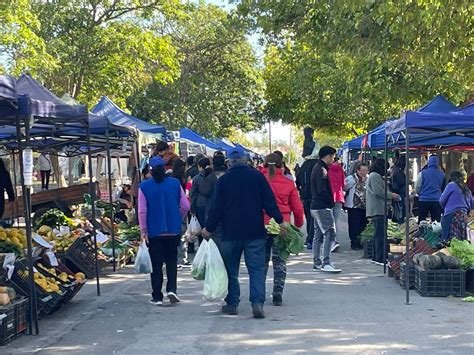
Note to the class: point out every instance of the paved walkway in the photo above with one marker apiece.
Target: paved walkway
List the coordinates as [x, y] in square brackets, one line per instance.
[359, 311]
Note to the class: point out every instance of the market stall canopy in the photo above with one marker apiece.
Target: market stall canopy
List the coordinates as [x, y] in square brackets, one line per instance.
[49, 104]
[355, 143]
[191, 136]
[376, 137]
[223, 144]
[434, 128]
[106, 107]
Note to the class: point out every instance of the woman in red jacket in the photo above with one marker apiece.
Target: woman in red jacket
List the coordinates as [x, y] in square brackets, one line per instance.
[288, 202]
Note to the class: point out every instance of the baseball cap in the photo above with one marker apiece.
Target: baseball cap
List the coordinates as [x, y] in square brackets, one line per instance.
[236, 153]
[156, 161]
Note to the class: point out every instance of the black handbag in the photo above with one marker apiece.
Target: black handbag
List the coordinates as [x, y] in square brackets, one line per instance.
[397, 212]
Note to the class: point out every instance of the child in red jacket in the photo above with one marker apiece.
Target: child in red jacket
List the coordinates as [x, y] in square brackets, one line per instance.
[288, 202]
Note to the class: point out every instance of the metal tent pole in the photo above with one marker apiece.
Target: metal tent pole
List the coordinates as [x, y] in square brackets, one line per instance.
[385, 213]
[26, 191]
[111, 200]
[92, 193]
[407, 224]
[15, 182]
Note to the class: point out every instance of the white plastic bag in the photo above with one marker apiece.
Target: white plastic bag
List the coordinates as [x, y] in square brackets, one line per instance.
[198, 268]
[216, 280]
[194, 228]
[143, 261]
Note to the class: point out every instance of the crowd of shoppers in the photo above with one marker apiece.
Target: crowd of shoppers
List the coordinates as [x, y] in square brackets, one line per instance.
[234, 200]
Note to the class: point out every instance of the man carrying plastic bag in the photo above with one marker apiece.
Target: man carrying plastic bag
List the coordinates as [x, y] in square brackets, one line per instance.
[208, 265]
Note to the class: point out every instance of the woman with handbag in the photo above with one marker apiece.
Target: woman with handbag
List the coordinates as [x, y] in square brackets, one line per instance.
[456, 200]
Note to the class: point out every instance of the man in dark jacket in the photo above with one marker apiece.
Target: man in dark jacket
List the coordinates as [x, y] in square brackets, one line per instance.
[322, 203]
[398, 184]
[239, 198]
[5, 185]
[303, 183]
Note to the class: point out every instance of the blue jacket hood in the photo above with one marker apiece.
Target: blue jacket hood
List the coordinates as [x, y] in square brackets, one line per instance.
[433, 161]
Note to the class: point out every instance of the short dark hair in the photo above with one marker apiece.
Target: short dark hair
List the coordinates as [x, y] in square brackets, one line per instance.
[325, 151]
[219, 162]
[190, 160]
[218, 153]
[158, 173]
[162, 146]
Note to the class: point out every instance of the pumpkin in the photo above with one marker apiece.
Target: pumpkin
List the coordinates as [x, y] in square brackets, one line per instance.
[416, 258]
[451, 262]
[430, 262]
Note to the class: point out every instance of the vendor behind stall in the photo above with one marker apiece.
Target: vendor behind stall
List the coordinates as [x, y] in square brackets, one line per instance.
[5, 185]
[456, 201]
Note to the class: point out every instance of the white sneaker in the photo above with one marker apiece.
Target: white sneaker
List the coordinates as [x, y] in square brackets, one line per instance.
[173, 297]
[156, 302]
[334, 247]
[330, 268]
[377, 263]
[317, 267]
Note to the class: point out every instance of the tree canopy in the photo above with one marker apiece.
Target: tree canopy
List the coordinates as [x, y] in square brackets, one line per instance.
[220, 86]
[349, 65]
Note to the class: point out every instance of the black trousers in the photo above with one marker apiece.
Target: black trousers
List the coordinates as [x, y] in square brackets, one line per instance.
[433, 207]
[45, 175]
[163, 250]
[357, 221]
[379, 225]
[309, 221]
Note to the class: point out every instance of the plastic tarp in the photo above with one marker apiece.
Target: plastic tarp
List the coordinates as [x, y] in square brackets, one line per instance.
[105, 107]
[191, 136]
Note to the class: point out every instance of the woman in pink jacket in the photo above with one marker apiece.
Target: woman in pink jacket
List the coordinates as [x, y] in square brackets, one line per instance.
[336, 179]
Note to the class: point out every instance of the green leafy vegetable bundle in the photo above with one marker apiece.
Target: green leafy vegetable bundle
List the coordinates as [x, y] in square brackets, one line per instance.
[130, 234]
[464, 251]
[291, 243]
[368, 233]
[7, 247]
[54, 218]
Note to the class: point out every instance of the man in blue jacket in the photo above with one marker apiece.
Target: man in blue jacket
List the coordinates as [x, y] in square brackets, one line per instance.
[238, 202]
[429, 186]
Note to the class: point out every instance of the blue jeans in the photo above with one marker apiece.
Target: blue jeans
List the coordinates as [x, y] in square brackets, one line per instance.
[254, 253]
[446, 221]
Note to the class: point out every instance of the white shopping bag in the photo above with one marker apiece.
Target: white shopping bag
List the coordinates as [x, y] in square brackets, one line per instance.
[143, 261]
[194, 228]
[216, 280]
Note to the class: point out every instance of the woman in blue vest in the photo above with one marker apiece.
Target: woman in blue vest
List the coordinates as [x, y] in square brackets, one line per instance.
[162, 204]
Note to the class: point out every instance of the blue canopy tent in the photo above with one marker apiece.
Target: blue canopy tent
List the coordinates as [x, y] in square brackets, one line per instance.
[428, 129]
[376, 137]
[107, 108]
[354, 144]
[224, 145]
[38, 113]
[191, 136]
